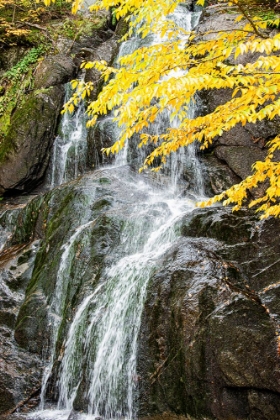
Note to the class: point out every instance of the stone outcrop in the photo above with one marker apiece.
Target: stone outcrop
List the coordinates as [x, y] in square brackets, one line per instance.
[242, 146]
[25, 151]
[211, 321]
[29, 140]
[54, 70]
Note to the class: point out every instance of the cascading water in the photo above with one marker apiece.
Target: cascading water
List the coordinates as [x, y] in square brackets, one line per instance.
[70, 146]
[58, 302]
[8, 219]
[100, 349]
[185, 161]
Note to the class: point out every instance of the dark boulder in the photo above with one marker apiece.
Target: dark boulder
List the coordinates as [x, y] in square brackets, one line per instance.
[240, 147]
[26, 148]
[54, 70]
[20, 371]
[208, 342]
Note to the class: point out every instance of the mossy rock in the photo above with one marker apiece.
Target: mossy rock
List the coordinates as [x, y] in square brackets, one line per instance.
[25, 152]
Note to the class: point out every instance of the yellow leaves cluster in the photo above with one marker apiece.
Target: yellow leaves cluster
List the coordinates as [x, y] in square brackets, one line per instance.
[82, 90]
[168, 76]
[266, 46]
[47, 2]
[265, 173]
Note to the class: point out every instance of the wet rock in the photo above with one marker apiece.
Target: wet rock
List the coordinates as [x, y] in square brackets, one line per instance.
[242, 146]
[20, 371]
[106, 51]
[72, 208]
[54, 70]
[208, 342]
[98, 138]
[217, 175]
[29, 140]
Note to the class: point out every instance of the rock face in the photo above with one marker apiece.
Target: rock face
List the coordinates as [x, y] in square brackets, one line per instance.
[25, 151]
[211, 321]
[54, 70]
[21, 371]
[242, 146]
[29, 141]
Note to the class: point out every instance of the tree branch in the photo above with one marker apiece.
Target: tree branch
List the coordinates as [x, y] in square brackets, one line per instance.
[247, 16]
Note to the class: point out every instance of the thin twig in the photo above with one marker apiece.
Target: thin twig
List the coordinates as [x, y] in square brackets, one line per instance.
[245, 14]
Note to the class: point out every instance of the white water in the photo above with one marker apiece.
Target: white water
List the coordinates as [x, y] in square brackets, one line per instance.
[57, 303]
[8, 218]
[68, 159]
[100, 349]
[104, 331]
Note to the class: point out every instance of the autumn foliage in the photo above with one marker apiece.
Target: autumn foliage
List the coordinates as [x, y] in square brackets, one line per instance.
[148, 81]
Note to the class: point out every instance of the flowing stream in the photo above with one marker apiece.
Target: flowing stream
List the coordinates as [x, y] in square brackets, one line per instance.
[69, 153]
[100, 349]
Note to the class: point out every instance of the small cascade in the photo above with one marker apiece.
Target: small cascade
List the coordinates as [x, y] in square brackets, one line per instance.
[104, 332]
[182, 167]
[7, 226]
[57, 305]
[70, 146]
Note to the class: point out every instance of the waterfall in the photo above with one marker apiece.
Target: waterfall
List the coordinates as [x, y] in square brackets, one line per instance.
[182, 165]
[7, 219]
[69, 153]
[100, 349]
[58, 302]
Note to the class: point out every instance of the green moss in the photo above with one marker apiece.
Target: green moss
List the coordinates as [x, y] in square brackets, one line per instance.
[27, 220]
[74, 27]
[5, 147]
[18, 80]
[27, 108]
[104, 180]
[122, 28]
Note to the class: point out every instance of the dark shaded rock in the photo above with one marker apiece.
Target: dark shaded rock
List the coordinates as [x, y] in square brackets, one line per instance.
[20, 371]
[11, 56]
[240, 158]
[121, 28]
[217, 175]
[208, 342]
[221, 224]
[29, 140]
[98, 138]
[54, 70]
[106, 51]
[90, 39]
